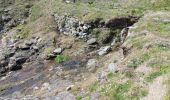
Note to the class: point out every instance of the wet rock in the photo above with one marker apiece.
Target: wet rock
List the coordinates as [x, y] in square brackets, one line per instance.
[92, 41]
[65, 96]
[57, 51]
[20, 60]
[92, 64]
[124, 34]
[112, 68]
[104, 50]
[15, 63]
[73, 64]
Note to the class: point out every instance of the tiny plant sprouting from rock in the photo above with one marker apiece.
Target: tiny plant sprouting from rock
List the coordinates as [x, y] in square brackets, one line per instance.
[61, 58]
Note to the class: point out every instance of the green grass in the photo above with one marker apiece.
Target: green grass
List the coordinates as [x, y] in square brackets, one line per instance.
[138, 41]
[25, 31]
[161, 70]
[36, 12]
[61, 58]
[167, 97]
[134, 63]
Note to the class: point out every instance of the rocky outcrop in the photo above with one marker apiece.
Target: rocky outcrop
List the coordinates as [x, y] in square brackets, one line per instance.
[13, 16]
[72, 26]
[97, 30]
[17, 53]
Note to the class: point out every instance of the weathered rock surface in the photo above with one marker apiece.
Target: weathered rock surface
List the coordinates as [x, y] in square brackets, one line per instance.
[91, 41]
[112, 68]
[72, 26]
[104, 50]
[92, 64]
[65, 96]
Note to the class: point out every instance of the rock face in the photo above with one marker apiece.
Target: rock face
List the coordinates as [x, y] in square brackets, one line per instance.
[72, 26]
[16, 53]
[9, 19]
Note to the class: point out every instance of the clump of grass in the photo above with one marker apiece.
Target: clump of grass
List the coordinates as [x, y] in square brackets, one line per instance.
[110, 75]
[121, 90]
[61, 58]
[161, 71]
[36, 12]
[79, 98]
[167, 97]
[48, 50]
[94, 87]
[134, 63]
[25, 31]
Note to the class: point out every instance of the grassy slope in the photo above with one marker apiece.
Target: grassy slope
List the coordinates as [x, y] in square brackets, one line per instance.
[157, 57]
[150, 49]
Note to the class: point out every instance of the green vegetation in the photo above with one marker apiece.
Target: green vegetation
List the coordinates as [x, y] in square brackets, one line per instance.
[36, 12]
[109, 9]
[61, 58]
[134, 63]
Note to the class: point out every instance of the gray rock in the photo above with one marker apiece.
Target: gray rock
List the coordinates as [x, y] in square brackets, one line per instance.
[65, 96]
[112, 68]
[45, 85]
[104, 50]
[92, 64]
[29, 43]
[71, 26]
[102, 75]
[35, 48]
[69, 87]
[166, 21]
[16, 63]
[95, 96]
[24, 47]
[50, 56]
[92, 41]
[57, 51]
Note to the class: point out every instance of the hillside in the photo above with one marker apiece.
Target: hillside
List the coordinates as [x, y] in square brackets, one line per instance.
[85, 49]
